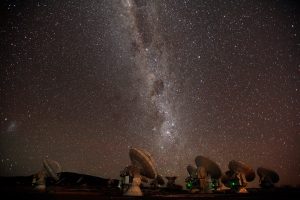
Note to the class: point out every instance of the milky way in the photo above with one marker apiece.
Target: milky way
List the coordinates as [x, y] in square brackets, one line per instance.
[157, 86]
[83, 81]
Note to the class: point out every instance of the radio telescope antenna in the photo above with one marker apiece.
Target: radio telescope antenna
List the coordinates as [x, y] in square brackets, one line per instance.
[238, 176]
[50, 169]
[267, 177]
[142, 167]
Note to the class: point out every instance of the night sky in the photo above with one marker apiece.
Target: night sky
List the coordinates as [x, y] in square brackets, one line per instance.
[83, 81]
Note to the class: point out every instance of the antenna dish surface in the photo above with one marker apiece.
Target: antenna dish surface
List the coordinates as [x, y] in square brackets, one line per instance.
[264, 172]
[143, 160]
[210, 166]
[192, 170]
[238, 166]
[52, 168]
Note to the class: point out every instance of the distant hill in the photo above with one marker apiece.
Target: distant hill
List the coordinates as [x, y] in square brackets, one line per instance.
[65, 179]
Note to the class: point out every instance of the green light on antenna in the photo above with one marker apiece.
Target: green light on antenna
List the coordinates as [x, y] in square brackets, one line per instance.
[189, 185]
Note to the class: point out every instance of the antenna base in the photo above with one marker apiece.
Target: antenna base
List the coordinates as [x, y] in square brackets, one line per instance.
[243, 190]
[40, 188]
[134, 189]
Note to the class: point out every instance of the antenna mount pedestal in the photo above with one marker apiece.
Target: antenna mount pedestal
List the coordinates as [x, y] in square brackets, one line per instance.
[134, 189]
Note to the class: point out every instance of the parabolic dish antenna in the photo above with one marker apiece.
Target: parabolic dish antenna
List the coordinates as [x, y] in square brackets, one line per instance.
[143, 160]
[52, 168]
[267, 177]
[238, 176]
[210, 166]
[142, 167]
[240, 167]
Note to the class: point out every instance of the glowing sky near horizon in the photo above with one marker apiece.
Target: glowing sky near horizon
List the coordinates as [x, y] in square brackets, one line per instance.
[82, 81]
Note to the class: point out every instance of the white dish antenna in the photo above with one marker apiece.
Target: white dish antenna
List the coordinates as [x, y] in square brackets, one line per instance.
[238, 176]
[267, 177]
[142, 168]
[51, 169]
[241, 167]
[210, 166]
[144, 161]
[205, 177]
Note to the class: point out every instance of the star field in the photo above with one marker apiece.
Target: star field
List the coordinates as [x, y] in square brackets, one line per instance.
[83, 81]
